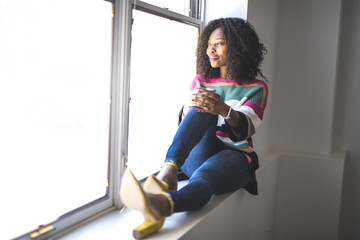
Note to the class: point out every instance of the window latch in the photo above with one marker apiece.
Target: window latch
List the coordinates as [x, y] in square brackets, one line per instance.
[41, 231]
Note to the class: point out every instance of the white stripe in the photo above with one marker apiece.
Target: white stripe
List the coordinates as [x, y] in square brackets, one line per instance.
[228, 140]
[252, 115]
[235, 144]
[238, 105]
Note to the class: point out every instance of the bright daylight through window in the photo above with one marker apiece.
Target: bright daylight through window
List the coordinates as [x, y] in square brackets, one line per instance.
[178, 6]
[55, 70]
[162, 68]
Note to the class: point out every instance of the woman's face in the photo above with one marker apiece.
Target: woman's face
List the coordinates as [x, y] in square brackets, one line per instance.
[217, 49]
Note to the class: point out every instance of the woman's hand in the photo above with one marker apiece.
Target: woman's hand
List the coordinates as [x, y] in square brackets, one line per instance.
[208, 101]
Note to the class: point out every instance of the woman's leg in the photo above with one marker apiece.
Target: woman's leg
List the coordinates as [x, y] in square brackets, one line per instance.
[195, 141]
[208, 146]
[191, 131]
[226, 171]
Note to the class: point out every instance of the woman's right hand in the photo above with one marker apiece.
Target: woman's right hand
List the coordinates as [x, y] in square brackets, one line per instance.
[199, 98]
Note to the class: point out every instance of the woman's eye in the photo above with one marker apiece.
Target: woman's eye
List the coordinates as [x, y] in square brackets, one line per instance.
[216, 44]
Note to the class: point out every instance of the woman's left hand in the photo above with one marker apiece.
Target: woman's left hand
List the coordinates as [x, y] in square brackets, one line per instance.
[209, 102]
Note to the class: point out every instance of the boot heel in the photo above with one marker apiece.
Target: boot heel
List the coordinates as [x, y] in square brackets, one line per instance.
[133, 196]
[147, 228]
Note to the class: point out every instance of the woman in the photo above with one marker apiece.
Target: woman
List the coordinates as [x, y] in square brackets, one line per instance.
[213, 144]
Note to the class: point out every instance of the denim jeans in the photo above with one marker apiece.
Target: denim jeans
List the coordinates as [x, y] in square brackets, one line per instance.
[213, 168]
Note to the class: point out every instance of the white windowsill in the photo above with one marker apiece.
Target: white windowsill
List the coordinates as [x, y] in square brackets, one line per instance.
[119, 224]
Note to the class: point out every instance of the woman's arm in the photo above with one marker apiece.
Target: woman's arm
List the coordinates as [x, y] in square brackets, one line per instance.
[209, 101]
[231, 117]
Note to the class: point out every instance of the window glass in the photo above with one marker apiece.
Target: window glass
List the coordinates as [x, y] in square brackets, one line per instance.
[55, 71]
[178, 6]
[162, 68]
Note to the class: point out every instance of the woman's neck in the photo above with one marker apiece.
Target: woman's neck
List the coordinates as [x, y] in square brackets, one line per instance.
[223, 72]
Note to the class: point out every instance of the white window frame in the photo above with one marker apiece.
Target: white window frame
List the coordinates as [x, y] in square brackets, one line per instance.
[119, 119]
[158, 13]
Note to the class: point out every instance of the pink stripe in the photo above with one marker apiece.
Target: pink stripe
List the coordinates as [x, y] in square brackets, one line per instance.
[210, 80]
[222, 134]
[220, 80]
[193, 85]
[258, 110]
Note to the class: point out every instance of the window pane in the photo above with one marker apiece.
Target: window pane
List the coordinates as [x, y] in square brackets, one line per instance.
[162, 68]
[54, 98]
[178, 6]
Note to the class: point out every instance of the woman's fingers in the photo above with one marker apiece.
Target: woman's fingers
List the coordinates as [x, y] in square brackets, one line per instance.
[205, 97]
[208, 101]
[207, 93]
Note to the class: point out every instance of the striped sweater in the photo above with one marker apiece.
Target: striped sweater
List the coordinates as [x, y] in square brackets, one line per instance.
[248, 99]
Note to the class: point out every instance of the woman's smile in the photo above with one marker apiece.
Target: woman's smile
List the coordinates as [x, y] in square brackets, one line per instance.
[213, 58]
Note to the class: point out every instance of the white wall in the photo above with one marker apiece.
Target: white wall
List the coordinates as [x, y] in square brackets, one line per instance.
[226, 8]
[304, 89]
[347, 118]
[313, 88]
[308, 197]
[315, 91]
[263, 15]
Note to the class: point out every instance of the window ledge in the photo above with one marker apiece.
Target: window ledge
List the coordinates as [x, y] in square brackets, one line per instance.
[119, 224]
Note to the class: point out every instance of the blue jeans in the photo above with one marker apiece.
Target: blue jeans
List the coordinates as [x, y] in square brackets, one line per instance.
[213, 168]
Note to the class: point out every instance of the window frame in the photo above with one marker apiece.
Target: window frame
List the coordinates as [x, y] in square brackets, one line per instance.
[168, 15]
[194, 9]
[119, 115]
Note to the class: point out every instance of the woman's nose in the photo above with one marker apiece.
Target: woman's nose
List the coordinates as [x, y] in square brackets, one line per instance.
[211, 49]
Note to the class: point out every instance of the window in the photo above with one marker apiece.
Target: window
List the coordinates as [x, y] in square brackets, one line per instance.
[162, 68]
[191, 8]
[64, 101]
[55, 61]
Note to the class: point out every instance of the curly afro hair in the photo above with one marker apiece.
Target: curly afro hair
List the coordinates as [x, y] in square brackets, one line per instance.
[245, 52]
